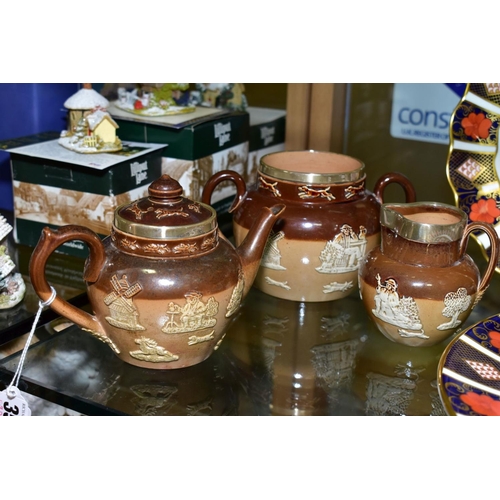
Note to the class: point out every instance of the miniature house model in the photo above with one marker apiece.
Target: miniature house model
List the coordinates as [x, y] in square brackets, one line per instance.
[91, 129]
[102, 125]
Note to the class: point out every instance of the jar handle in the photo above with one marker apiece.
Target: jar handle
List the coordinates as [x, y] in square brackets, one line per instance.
[51, 239]
[225, 175]
[494, 250]
[394, 178]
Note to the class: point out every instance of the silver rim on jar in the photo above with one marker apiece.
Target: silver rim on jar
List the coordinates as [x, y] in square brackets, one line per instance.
[397, 217]
[312, 167]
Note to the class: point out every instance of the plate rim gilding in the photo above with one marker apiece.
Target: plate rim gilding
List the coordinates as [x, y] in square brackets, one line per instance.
[443, 395]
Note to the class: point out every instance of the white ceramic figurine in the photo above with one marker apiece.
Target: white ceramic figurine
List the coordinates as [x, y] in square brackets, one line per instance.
[12, 286]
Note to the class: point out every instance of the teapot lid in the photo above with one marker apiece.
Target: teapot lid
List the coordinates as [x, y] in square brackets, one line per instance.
[165, 213]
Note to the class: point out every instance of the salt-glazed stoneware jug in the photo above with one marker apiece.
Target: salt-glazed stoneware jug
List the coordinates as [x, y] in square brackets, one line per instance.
[165, 283]
[420, 285]
[331, 221]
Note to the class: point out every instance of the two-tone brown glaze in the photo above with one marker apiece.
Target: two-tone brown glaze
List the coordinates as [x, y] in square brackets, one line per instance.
[419, 285]
[331, 221]
[165, 284]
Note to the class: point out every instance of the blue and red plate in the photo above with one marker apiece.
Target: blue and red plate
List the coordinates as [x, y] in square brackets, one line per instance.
[469, 371]
[473, 165]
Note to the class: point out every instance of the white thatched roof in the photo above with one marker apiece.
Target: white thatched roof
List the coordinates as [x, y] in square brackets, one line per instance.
[97, 117]
[86, 99]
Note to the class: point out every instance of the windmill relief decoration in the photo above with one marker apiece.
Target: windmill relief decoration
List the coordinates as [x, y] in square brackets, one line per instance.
[343, 253]
[123, 313]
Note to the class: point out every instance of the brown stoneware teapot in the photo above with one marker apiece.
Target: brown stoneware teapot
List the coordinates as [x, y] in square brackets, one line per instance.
[331, 221]
[165, 283]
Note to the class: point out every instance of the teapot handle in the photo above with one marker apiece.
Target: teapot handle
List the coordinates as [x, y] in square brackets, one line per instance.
[494, 251]
[51, 239]
[225, 175]
[395, 178]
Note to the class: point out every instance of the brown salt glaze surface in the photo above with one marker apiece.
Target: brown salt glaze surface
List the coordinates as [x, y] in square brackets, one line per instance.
[433, 218]
[424, 281]
[165, 206]
[310, 161]
[160, 304]
[303, 278]
[420, 286]
[330, 221]
[303, 221]
[415, 253]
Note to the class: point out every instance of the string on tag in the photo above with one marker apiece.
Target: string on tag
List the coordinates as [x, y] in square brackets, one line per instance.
[17, 375]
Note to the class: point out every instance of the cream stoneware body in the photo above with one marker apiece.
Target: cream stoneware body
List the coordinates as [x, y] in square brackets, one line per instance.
[419, 285]
[331, 221]
[164, 285]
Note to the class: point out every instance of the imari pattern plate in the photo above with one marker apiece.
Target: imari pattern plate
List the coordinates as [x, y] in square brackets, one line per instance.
[473, 164]
[469, 371]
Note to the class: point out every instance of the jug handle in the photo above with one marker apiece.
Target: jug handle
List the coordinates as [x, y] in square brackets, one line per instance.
[225, 175]
[395, 178]
[49, 240]
[494, 251]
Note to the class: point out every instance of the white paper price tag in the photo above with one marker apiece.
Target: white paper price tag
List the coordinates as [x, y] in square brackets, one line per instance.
[12, 403]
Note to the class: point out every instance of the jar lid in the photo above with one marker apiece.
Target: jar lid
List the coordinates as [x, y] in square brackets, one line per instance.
[165, 213]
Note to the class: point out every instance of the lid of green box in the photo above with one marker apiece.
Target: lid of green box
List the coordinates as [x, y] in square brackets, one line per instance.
[165, 213]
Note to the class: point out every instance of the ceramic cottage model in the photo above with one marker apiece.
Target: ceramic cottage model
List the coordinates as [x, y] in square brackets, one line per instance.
[12, 286]
[165, 284]
[420, 286]
[330, 222]
[154, 99]
[229, 96]
[91, 129]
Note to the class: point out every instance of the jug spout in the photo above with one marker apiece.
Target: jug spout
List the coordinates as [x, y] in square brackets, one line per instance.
[251, 249]
[425, 222]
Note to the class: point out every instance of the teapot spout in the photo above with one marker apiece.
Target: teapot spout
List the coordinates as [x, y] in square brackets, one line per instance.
[252, 247]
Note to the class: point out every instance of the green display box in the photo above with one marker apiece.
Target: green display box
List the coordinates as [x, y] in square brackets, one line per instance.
[199, 145]
[54, 187]
[267, 135]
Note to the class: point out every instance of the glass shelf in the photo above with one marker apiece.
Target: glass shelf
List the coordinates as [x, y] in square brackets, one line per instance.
[278, 358]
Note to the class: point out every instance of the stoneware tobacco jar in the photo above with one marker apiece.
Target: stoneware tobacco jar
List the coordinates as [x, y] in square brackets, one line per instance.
[331, 221]
[419, 285]
[165, 283]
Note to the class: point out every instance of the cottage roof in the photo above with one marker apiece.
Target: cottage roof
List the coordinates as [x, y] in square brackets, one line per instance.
[97, 117]
[86, 99]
